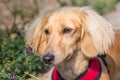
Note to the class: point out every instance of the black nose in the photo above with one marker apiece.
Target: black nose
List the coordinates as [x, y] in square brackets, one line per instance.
[48, 59]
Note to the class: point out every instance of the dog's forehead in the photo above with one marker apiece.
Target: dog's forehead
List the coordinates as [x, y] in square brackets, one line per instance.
[63, 14]
[64, 17]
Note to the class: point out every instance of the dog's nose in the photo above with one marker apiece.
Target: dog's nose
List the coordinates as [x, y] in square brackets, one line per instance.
[48, 59]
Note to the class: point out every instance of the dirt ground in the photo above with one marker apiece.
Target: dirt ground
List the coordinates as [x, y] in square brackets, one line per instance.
[114, 17]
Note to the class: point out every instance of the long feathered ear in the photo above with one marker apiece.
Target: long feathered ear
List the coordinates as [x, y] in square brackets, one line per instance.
[35, 35]
[97, 34]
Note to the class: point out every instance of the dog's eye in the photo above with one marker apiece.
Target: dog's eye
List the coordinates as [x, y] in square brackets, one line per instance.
[46, 31]
[67, 30]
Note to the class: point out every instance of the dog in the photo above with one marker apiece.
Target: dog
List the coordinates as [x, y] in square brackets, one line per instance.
[77, 44]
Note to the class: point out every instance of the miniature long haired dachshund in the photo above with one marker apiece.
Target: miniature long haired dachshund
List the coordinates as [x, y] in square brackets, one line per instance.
[77, 43]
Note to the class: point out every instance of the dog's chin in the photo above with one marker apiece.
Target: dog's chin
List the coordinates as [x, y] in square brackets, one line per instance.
[49, 65]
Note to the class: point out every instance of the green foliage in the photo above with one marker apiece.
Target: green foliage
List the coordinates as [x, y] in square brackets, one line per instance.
[101, 6]
[14, 61]
[79, 2]
[63, 4]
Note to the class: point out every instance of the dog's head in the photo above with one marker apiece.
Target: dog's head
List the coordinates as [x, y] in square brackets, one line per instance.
[61, 33]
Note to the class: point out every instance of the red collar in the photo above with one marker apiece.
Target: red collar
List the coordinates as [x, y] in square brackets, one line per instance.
[92, 73]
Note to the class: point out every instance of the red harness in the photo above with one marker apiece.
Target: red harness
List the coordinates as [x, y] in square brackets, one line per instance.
[92, 73]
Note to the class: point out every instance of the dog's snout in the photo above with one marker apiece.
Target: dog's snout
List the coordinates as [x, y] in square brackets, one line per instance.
[48, 59]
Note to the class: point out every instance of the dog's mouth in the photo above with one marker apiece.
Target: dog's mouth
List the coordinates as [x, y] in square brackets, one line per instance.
[68, 57]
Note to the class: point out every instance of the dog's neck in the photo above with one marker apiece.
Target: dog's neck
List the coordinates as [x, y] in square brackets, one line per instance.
[73, 67]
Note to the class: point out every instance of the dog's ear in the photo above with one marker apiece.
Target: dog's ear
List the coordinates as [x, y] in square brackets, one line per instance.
[97, 34]
[35, 36]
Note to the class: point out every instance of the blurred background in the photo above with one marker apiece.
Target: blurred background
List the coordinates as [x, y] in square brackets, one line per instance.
[17, 61]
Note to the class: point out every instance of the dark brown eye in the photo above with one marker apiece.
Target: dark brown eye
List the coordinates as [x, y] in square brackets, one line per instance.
[46, 31]
[67, 30]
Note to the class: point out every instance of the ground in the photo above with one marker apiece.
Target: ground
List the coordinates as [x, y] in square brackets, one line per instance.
[114, 17]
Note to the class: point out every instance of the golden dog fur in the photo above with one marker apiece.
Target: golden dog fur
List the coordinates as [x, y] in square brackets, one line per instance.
[89, 35]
